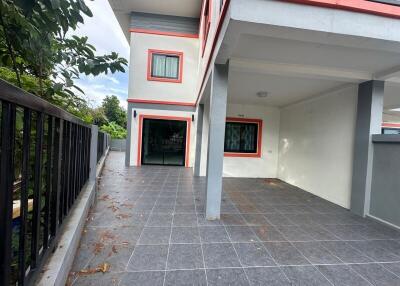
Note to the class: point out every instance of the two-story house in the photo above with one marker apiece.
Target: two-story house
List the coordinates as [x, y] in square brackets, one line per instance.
[264, 89]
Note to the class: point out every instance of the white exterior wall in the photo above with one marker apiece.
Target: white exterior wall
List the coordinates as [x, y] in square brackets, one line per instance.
[264, 167]
[316, 145]
[135, 131]
[141, 88]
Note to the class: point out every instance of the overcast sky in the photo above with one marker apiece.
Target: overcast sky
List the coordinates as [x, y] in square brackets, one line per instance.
[106, 35]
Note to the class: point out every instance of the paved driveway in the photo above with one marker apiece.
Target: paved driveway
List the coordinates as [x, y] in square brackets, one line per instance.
[148, 226]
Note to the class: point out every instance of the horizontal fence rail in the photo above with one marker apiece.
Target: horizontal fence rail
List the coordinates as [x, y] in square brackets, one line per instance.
[45, 162]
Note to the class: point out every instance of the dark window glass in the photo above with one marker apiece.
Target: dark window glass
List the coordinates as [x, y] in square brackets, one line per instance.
[165, 66]
[241, 137]
[391, 131]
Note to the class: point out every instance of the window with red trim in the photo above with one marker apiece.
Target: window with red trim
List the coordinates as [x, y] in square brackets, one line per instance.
[165, 66]
[243, 137]
[206, 20]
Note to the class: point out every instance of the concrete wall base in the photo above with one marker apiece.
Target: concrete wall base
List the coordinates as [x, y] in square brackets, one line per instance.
[58, 266]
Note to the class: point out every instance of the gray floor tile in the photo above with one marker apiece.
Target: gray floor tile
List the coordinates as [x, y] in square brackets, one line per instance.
[253, 254]
[344, 232]
[376, 274]
[117, 256]
[294, 233]
[185, 220]
[227, 277]
[374, 250]
[202, 221]
[241, 234]
[233, 219]
[342, 275]
[220, 255]
[305, 276]
[155, 235]
[278, 219]
[318, 233]
[345, 252]
[213, 234]
[148, 257]
[285, 254]
[185, 235]
[316, 253]
[268, 233]
[98, 279]
[149, 278]
[164, 220]
[255, 219]
[393, 267]
[186, 278]
[263, 276]
[83, 255]
[185, 256]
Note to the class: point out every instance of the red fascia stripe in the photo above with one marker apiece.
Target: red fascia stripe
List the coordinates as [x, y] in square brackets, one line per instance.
[387, 124]
[164, 33]
[361, 6]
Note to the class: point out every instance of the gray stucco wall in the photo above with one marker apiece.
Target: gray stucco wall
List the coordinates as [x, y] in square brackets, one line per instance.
[118, 145]
[164, 23]
[385, 192]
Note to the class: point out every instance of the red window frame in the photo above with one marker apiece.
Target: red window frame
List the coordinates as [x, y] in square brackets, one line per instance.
[259, 122]
[206, 23]
[168, 53]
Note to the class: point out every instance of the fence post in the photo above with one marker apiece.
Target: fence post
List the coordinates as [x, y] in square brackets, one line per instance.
[93, 152]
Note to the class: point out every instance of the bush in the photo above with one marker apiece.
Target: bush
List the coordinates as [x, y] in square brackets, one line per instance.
[116, 131]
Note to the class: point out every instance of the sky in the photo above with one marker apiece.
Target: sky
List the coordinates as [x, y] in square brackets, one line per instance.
[104, 32]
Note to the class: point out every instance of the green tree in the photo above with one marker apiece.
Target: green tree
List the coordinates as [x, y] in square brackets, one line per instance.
[113, 111]
[115, 130]
[33, 42]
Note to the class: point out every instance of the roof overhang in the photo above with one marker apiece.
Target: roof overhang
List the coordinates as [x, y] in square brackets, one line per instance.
[123, 8]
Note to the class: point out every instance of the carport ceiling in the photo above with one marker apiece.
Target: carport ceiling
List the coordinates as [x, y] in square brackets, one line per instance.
[282, 90]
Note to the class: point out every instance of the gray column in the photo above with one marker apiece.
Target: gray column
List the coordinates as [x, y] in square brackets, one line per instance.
[216, 135]
[93, 152]
[128, 135]
[199, 136]
[369, 122]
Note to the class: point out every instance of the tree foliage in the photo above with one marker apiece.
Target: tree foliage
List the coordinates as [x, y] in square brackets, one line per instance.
[113, 111]
[45, 61]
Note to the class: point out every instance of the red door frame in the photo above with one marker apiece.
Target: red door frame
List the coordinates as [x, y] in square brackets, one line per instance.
[162, 117]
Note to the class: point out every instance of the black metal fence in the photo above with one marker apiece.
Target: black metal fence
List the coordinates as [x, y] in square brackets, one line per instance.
[103, 142]
[44, 163]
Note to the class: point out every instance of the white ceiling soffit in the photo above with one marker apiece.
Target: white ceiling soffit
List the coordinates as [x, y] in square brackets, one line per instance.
[183, 8]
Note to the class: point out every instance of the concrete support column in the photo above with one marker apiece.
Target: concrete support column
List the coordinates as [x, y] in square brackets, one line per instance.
[128, 135]
[369, 122]
[199, 136]
[93, 152]
[216, 137]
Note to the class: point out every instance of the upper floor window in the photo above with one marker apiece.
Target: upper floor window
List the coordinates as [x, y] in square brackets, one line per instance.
[243, 137]
[206, 22]
[165, 66]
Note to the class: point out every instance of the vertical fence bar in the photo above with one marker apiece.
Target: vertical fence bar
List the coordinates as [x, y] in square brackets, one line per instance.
[26, 141]
[37, 190]
[49, 167]
[6, 189]
[56, 178]
[67, 169]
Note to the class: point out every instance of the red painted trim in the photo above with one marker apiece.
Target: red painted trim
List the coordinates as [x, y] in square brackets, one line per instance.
[161, 102]
[176, 118]
[259, 138]
[388, 124]
[214, 44]
[169, 53]
[164, 33]
[361, 6]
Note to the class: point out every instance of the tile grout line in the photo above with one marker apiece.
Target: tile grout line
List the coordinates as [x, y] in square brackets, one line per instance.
[201, 241]
[170, 233]
[237, 255]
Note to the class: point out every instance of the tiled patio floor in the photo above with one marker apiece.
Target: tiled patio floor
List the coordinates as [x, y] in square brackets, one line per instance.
[149, 226]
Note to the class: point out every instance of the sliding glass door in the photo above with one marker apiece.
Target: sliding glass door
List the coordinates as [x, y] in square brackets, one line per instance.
[163, 142]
